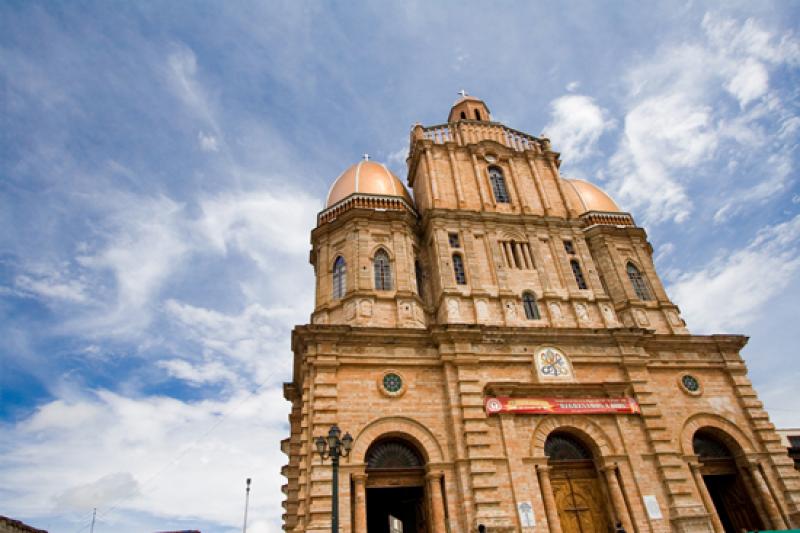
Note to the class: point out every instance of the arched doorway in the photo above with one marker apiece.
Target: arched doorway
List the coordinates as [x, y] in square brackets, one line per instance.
[395, 486]
[580, 500]
[725, 485]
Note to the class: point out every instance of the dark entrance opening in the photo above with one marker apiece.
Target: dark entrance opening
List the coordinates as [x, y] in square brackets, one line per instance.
[395, 486]
[725, 485]
[404, 503]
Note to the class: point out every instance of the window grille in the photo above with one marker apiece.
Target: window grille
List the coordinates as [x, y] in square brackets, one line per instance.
[383, 271]
[638, 282]
[458, 270]
[498, 185]
[576, 270]
[339, 278]
[454, 240]
[529, 304]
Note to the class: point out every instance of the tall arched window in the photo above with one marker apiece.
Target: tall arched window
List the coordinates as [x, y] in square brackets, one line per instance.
[339, 278]
[578, 273]
[463, 115]
[383, 271]
[477, 115]
[529, 304]
[638, 282]
[498, 185]
[458, 269]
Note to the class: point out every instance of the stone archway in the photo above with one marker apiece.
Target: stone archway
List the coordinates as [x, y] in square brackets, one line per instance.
[400, 477]
[580, 493]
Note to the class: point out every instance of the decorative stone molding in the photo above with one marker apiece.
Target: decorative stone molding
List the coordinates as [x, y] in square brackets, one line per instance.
[726, 430]
[586, 430]
[397, 426]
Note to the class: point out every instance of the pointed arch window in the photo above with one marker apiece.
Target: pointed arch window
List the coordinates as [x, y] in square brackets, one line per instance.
[383, 271]
[339, 278]
[529, 304]
[498, 185]
[578, 273]
[458, 269]
[638, 282]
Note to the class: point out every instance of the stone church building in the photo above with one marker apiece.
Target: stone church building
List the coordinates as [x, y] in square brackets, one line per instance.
[505, 357]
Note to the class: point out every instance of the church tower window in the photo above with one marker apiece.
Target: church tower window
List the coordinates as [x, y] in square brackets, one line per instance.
[639, 285]
[529, 304]
[454, 240]
[498, 185]
[458, 269]
[383, 271]
[578, 273]
[463, 115]
[477, 115]
[339, 278]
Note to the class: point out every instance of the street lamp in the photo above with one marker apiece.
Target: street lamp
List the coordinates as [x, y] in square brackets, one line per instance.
[334, 447]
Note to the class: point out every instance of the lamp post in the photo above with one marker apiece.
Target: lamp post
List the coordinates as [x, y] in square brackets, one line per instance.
[334, 447]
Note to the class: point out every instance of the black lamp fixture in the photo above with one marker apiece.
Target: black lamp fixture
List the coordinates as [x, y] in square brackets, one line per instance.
[333, 447]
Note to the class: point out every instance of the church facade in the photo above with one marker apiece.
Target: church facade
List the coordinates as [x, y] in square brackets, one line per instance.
[504, 355]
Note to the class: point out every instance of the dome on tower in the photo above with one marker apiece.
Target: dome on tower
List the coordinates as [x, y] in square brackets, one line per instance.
[367, 177]
[589, 197]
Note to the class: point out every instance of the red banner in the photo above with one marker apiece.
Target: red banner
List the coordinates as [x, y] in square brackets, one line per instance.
[555, 406]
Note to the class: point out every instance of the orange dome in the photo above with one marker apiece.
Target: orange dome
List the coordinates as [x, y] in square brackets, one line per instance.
[590, 197]
[367, 177]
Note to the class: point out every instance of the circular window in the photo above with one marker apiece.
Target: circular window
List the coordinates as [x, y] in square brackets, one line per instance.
[690, 384]
[391, 383]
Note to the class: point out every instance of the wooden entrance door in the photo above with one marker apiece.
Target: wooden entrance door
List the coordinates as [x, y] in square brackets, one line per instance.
[579, 498]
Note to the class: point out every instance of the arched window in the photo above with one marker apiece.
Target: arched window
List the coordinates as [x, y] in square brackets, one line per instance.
[578, 273]
[529, 304]
[418, 274]
[463, 115]
[339, 278]
[383, 271]
[458, 269]
[498, 185]
[477, 115]
[639, 285]
[564, 447]
[393, 454]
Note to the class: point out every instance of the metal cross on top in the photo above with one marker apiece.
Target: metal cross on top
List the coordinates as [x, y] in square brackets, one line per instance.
[366, 157]
[463, 93]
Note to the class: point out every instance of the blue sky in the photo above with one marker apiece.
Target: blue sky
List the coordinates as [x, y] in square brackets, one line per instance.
[161, 167]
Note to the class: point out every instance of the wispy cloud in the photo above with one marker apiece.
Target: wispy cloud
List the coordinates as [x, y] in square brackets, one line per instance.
[576, 124]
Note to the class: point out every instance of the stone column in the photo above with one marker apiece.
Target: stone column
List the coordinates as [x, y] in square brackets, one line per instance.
[550, 509]
[770, 505]
[706, 497]
[360, 514]
[437, 503]
[617, 499]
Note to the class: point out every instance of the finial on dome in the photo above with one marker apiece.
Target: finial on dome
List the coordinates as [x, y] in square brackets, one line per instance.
[463, 93]
[365, 157]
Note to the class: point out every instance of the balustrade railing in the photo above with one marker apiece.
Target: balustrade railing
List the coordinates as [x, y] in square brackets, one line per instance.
[466, 132]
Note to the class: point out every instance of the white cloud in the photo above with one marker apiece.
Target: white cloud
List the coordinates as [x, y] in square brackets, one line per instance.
[198, 374]
[208, 142]
[576, 124]
[750, 81]
[676, 122]
[728, 293]
[573, 86]
[52, 285]
[113, 451]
